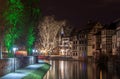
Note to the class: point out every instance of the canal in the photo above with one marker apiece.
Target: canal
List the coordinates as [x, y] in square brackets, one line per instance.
[80, 70]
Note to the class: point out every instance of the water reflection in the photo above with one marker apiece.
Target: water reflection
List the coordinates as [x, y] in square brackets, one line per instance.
[79, 70]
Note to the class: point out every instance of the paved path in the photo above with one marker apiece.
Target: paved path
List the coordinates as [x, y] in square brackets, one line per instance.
[20, 73]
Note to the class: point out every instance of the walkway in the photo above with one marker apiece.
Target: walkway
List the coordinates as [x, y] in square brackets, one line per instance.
[20, 73]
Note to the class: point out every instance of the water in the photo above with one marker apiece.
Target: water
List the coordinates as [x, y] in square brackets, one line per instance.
[80, 70]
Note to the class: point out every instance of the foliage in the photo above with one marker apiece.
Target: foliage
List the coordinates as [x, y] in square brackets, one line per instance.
[13, 17]
[21, 16]
[30, 39]
[32, 14]
[10, 36]
[14, 13]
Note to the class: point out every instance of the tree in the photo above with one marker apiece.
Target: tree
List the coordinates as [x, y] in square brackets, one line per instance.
[32, 15]
[30, 39]
[13, 17]
[48, 30]
[14, 13]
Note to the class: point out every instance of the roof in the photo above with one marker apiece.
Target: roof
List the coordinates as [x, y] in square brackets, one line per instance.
[111, 26]
[116, 23]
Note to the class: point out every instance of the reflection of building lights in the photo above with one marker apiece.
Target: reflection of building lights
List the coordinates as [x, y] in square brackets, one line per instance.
[62, 66]
[100, 74]
[62, 69]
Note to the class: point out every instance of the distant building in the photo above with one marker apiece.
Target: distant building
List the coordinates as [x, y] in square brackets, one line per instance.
[82, 43]
[65, 46]
[114, 44]
[96, 27]
[64, 43]
[106, 36]
[79, 44]
[118, 38]
[97, 42]
[75, 53]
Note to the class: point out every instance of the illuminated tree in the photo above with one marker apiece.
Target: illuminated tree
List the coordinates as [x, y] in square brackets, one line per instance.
[14, 18]
[30, 39]
[48, 30]
[32, 14]
[14, 14]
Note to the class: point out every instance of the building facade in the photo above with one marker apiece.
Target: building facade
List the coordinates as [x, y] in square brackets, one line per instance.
[65, 46]
[82, 43]
[106, 39]
[92, 39]
[97, 42]
[75, 47]
[114, 44]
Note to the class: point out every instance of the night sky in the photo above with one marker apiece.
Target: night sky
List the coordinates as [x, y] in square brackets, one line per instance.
[79, 12]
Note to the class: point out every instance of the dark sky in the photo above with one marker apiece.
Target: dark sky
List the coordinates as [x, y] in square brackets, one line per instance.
[79, 12]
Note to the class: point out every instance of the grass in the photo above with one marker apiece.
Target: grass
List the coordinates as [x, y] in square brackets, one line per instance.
[39, 73]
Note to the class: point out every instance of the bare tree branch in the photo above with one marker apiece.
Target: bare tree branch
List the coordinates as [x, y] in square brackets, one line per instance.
[48, 30]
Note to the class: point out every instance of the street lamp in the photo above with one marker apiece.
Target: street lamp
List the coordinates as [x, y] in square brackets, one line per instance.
[34, 51]
[14, 50]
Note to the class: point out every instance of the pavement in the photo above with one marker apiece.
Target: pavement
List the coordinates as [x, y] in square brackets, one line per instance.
[20, 73]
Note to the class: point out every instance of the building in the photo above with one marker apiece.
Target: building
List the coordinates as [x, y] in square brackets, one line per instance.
[65, 46]
[106, 39]
[82, 43]
[64, 43]
[79, 44]
[75, 46]
[95, 28]
[97, 42]
[114, 44]
[118, 37]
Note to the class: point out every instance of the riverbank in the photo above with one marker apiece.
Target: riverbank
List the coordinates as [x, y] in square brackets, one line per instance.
[36, 71]
[64, 58]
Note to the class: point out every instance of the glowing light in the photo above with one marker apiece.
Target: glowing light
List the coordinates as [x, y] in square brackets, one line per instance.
[33, 50]
[23, 53]
[62, 65]
[14, 49]
[62, 51]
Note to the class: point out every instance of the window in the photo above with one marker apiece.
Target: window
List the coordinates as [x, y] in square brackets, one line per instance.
[80, 48]
[76, 53]
[93, 46]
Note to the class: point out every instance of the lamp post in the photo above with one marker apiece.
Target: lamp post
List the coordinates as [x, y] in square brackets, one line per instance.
[14, 50]
[1, 51]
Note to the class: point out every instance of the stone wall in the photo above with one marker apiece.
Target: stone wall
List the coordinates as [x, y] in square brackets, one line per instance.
[7, 65]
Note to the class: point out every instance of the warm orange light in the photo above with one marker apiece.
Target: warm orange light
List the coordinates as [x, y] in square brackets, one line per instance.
[23, 53]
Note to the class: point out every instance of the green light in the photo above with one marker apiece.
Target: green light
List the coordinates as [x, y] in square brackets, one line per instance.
[33, 11]
[14, 13]
[10, 36]
[30, 39]
[13, 16]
